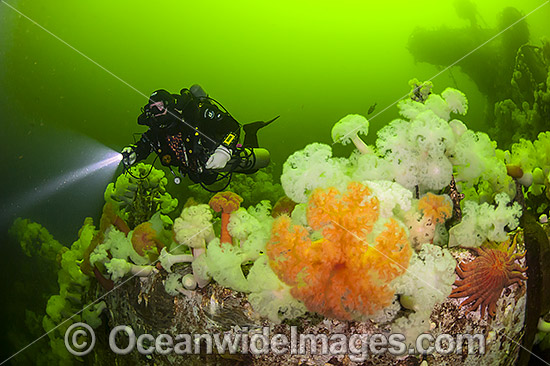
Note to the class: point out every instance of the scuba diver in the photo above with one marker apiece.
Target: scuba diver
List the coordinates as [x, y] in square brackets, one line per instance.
[197, 135]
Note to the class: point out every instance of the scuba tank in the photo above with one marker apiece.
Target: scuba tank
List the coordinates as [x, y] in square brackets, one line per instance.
[247, 160]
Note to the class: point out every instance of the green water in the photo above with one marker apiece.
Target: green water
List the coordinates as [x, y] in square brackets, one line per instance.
[82, 71]
[74, 74]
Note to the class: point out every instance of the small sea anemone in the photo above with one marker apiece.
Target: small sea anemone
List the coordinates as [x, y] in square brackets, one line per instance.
[348, 129]
[437, 208]
[226, 203]
[145, 241]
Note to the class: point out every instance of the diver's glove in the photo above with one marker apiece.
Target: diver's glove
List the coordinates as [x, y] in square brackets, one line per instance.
[129, 156]
[219, 159]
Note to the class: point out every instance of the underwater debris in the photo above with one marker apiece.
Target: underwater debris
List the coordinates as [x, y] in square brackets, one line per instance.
[483, 279]
[538, 297]
[490, 67]
[518, 89]
[527, 108]
[466, 9]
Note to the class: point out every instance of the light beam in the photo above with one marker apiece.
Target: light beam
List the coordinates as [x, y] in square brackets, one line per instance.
[107, 162]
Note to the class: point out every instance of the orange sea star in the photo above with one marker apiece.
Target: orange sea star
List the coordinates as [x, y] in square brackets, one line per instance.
[484, 278]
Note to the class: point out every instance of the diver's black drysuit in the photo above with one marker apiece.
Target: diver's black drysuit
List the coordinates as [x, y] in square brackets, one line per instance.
[189, 133]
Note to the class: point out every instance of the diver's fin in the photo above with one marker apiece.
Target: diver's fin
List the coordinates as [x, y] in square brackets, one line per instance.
[255, 126]
[272, 120]
[251, 130]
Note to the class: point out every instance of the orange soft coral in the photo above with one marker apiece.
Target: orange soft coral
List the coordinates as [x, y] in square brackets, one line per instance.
[346, 273]
[226, 202]
[437, 208]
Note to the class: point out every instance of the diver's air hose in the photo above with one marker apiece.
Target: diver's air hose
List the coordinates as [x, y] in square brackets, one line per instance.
[127, 170]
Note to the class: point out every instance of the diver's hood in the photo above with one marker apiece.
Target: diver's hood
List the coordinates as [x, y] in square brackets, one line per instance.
[162, 95]
[158, 112]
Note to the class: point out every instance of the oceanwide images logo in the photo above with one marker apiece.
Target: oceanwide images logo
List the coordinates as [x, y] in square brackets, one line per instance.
[80, 340]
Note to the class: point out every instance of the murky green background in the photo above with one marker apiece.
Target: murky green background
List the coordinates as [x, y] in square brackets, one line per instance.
[74, 74]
